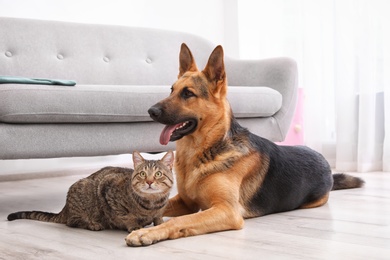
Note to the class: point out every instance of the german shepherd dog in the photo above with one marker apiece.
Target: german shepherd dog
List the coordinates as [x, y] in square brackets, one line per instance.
[224, 173]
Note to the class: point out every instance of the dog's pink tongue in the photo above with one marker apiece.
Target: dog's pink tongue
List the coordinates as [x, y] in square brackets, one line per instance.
[166, 134]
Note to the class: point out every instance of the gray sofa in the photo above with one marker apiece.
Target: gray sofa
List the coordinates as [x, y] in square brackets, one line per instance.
[119, 73]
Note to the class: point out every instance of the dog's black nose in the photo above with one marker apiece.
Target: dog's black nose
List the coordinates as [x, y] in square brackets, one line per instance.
[154, 112]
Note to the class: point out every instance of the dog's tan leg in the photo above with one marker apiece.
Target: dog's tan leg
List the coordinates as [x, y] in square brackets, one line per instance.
[217, 218]
[316, 203]
[177, 207]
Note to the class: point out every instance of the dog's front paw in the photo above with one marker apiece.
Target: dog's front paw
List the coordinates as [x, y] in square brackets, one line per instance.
[140, 237]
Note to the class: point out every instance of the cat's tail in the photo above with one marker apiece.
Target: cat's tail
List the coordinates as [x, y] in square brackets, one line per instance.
[343, 181]
[37, 215]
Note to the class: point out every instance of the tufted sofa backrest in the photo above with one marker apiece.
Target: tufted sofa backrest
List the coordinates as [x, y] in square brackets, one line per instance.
[94, 54]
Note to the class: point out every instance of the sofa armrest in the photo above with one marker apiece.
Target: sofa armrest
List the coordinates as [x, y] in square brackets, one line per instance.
[280, 74]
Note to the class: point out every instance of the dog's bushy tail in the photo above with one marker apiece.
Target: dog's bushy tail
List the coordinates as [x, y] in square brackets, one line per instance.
[36, 215]
[343, 181]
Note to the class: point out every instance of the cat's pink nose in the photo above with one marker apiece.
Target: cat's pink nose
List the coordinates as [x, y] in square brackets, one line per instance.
[149, 182]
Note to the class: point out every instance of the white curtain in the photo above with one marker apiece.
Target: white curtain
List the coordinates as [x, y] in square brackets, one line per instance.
[343, 52]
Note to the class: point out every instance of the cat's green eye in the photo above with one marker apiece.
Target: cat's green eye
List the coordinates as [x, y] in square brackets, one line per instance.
[142, 174]
[158, 174]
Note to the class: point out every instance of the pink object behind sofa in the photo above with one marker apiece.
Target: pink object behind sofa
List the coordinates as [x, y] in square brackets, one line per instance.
[295, 133]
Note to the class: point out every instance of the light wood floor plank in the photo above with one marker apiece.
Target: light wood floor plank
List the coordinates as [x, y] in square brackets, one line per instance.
[354, 224]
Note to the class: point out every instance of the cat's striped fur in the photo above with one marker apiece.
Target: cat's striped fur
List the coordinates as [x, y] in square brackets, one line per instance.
[115, 198]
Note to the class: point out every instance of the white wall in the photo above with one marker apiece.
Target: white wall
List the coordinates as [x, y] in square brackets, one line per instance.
[205, 18]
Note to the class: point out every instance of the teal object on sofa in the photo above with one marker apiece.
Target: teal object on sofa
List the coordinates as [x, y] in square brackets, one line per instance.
[23, 80]
[120, 72]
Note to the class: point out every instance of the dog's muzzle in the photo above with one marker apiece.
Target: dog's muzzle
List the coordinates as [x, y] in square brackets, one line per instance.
[155, 112]
[175, 127]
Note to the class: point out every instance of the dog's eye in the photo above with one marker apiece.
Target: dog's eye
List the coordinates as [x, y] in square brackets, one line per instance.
[186, 93]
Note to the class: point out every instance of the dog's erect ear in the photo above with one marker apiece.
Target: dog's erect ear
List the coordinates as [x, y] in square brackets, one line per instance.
[186, 60]
[215, 68]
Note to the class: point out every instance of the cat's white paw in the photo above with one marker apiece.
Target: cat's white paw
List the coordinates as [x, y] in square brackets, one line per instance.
[95, 226]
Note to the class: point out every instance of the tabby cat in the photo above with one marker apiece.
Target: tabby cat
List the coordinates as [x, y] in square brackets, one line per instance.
[115, 198]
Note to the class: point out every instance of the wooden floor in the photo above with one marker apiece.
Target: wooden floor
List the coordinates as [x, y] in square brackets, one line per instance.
[355, 224]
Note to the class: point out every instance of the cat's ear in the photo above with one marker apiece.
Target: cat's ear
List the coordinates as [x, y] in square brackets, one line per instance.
[168, 159]
[137, 159]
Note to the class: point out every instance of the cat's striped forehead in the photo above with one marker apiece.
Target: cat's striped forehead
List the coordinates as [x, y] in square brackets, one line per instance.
[150, 165]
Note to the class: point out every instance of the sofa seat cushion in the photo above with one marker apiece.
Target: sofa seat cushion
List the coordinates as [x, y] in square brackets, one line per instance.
[112, 103]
